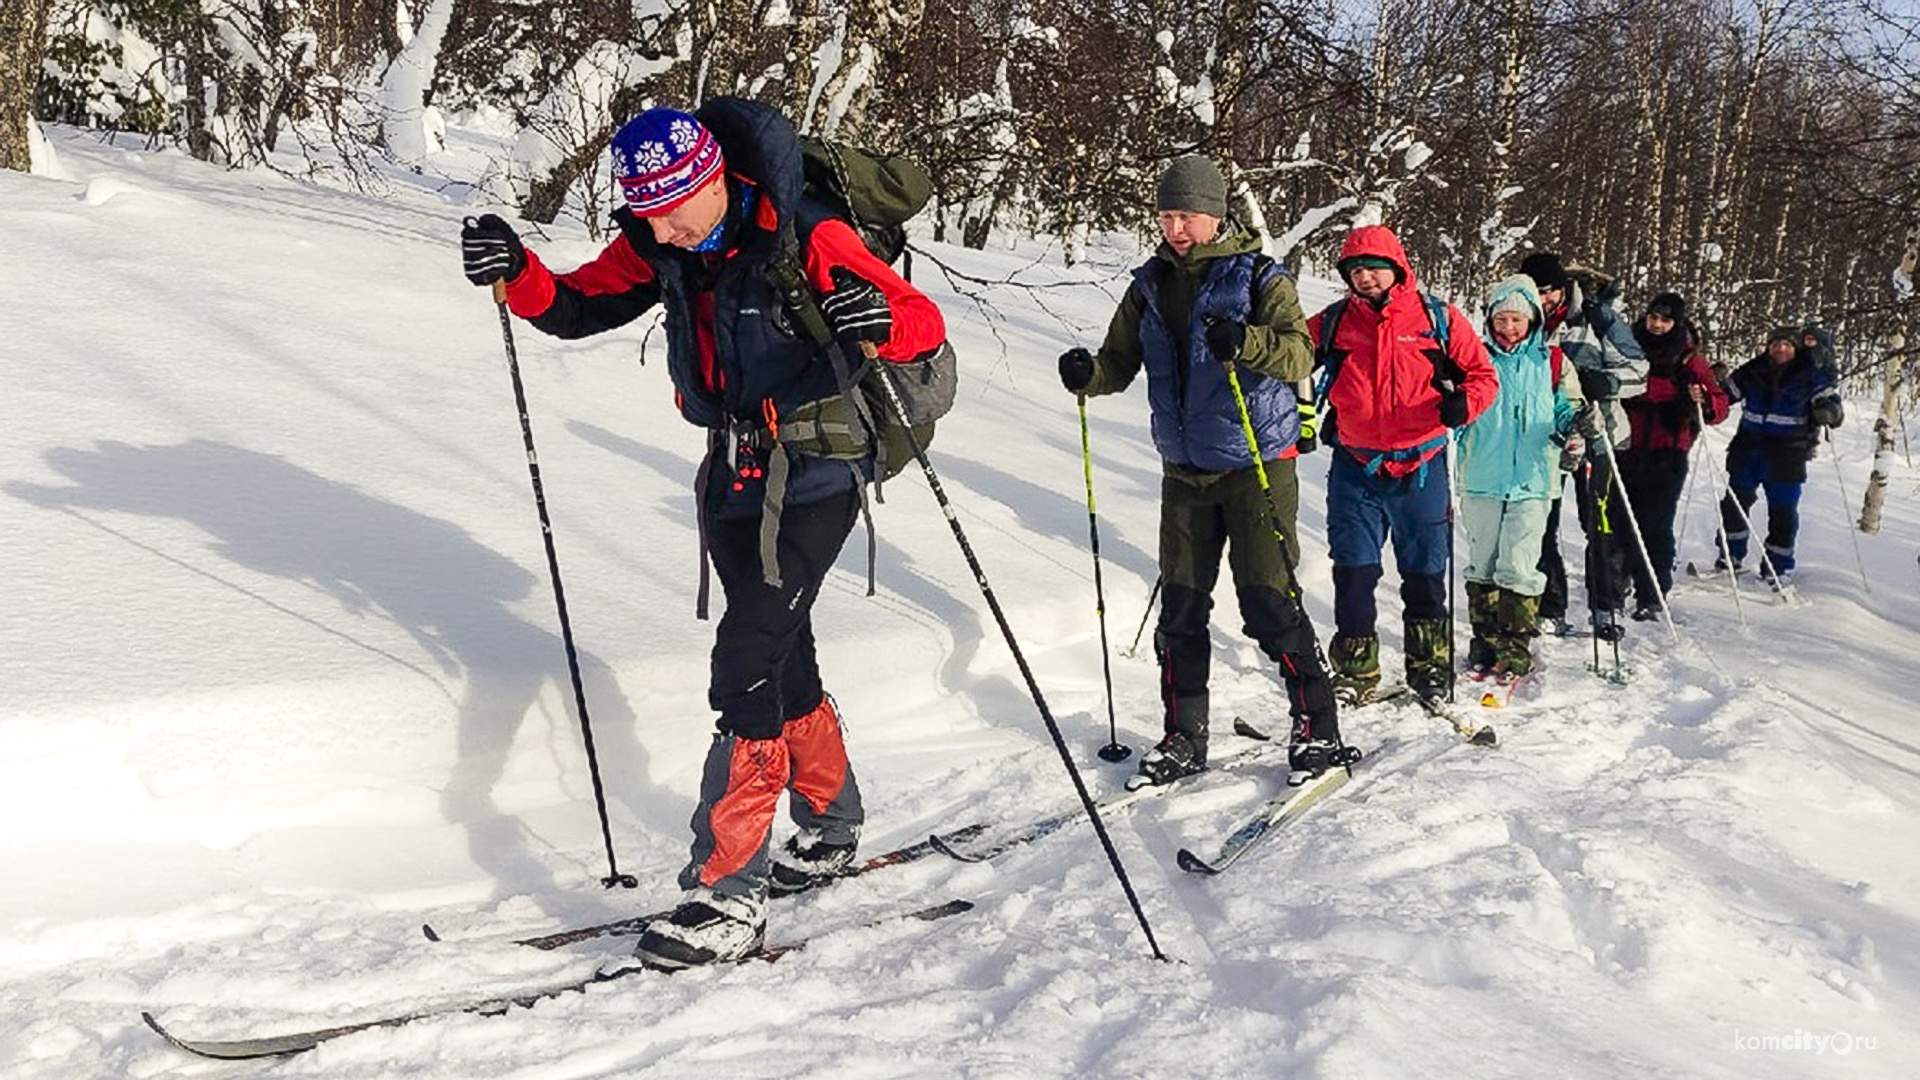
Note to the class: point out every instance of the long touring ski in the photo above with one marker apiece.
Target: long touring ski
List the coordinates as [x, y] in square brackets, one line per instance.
[634, 925]
[1276, 813]
[959, 846]
[1477, 734]
[279, 1045]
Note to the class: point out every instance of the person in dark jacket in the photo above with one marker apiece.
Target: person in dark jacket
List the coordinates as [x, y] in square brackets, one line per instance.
[713, 203]
[1681, 393]
[1208, 305]
[1818, 341]
[1404, 370]
[1583, 321]
[1785, 399]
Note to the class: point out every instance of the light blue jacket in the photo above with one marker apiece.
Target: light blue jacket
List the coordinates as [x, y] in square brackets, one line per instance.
[1512, 451]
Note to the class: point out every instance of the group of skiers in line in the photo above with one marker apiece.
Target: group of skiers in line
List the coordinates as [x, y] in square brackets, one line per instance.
[766, 288]
[1417, 400]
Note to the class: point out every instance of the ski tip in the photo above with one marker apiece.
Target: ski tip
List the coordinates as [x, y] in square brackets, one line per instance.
[941, 911]
[1194, 864]
[1490, 700]
[1246, 730]
[945, 846]
[1484, 737]
[427, 929]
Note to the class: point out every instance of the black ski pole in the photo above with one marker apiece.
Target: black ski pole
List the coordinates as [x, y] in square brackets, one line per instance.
[885, 380]
[1113, 751]
[614, 876]
[1152, 598]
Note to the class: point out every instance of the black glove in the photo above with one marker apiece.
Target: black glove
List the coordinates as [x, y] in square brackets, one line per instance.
[1827, 414]
[1597, 385]
[1309, 439]
[490, 250]
[856, 309]
[1224, 338]
[1076, 369]
[1453, 408]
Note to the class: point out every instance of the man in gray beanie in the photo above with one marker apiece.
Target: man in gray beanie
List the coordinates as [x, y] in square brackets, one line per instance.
[1193, 183]
[1206, 305]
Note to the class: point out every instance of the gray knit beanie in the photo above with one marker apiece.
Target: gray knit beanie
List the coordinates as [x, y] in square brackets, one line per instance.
[1193, 183]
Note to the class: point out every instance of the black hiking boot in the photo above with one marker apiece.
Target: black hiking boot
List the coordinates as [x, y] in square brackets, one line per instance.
[807, 860]
[1178, 755]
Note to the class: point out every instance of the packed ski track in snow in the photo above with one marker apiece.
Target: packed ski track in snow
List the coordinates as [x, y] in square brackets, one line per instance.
[283, 682]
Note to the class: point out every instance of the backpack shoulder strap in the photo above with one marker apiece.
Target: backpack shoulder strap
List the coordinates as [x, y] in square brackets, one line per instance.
[1437, 317]
[1324, 358]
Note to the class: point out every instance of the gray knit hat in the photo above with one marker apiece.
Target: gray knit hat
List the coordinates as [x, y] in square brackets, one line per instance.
[1193, 183]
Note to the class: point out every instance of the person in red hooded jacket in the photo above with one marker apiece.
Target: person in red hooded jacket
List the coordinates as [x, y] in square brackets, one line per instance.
[1400, 370]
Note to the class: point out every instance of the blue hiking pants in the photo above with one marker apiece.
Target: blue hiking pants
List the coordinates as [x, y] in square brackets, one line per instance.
[1364, 511]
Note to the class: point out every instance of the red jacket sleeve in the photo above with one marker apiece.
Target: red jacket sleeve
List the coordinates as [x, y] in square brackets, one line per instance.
[917, 325]
[1716, 404]
[610, 291]
[1469, 354]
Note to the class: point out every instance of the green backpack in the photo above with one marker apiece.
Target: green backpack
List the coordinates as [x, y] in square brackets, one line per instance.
[877, 195]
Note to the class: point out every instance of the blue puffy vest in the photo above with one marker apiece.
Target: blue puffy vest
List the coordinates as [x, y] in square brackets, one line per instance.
[1196, 422]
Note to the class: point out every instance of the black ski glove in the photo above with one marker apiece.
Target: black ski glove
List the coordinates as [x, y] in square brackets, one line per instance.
[1453, 408]
[1076, 369]
[490, 250]
[1597, 385]
[1224, 339]
[856, 309]
[1828, 413]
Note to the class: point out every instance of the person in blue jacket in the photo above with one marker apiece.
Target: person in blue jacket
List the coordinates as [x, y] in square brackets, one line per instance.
[1785, 399]
[1208, 301]
[1509, 472]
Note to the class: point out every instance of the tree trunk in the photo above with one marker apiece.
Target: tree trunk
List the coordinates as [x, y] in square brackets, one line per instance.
[803, 49]
[1883, 428]
[23, 40]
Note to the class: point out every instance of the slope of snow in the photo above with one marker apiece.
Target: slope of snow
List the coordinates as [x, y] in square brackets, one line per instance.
[283, 680]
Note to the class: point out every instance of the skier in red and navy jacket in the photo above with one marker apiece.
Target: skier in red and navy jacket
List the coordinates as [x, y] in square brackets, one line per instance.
[714, 201]
[1404, 371]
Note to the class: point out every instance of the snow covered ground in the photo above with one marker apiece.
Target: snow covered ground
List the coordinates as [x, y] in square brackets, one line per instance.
[280, 680]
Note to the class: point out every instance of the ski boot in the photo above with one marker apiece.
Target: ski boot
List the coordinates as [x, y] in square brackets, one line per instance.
[706, 929]
[1178, 755]
[807, 860]
[1315, 748]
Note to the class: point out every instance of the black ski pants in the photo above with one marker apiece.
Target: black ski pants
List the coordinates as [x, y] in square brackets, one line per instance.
[764, 671]
[1604, 523]
[1654, 480]
[1201, 518]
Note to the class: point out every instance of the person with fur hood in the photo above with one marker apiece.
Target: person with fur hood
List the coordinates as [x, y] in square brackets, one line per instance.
[1509, 468]
[1681, 394]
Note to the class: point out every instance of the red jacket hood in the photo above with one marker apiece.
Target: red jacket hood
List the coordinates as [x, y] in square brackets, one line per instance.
[1380, 242]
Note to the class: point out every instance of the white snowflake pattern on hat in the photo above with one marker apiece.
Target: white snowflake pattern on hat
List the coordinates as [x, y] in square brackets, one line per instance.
[684, 134]
[650, 156]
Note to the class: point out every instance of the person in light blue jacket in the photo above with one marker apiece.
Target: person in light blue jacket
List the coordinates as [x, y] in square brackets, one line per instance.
[1509, 473]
